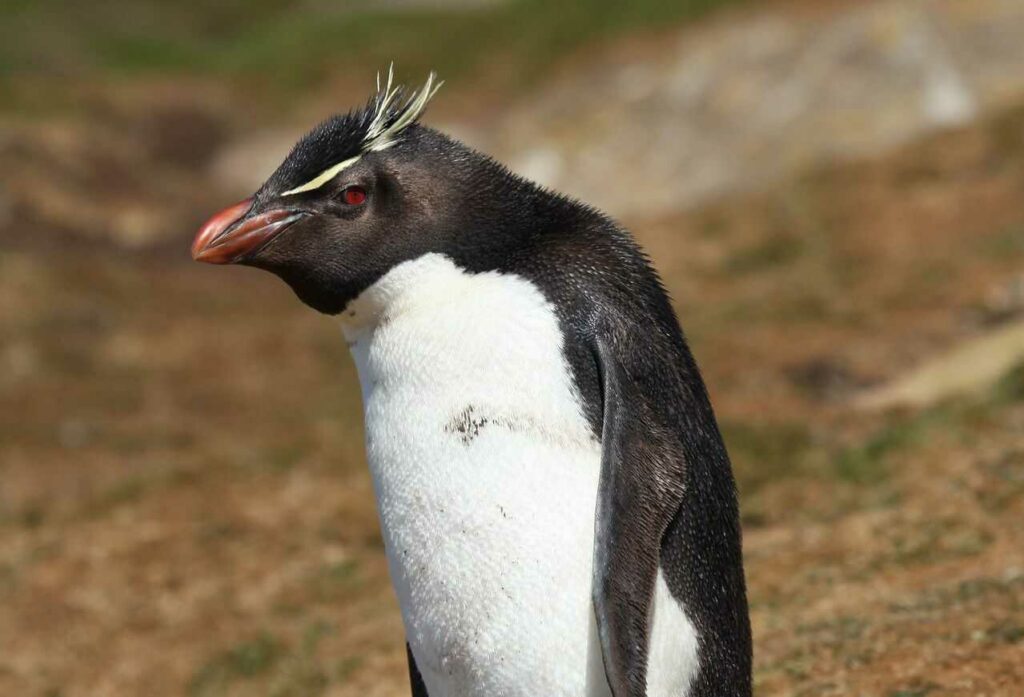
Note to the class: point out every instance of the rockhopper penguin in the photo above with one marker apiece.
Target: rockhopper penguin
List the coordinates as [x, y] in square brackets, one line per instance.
[557, 505]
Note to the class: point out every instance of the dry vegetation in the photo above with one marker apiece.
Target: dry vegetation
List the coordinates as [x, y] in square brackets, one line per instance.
[184, 507]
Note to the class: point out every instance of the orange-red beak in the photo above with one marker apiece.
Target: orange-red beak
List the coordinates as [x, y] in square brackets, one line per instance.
[227, 237]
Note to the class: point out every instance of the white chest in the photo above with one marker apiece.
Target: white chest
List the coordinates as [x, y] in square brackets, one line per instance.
[486, 476]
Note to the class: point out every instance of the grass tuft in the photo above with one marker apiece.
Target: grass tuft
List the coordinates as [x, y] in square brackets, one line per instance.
[246, 660]
[276, 44]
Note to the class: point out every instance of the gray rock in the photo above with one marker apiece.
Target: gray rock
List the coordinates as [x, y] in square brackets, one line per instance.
[737, 102]
[241, 166]
[744, 99]
[970, 367]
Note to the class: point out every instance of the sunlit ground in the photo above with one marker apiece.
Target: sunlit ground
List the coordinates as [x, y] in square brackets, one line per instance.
[184, 506]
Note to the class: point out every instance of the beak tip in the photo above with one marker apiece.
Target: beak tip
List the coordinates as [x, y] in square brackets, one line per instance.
[201, 255]
[213, 228]
[232, 235]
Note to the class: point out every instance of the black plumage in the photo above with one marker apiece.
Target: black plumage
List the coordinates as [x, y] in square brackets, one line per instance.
[667, 496]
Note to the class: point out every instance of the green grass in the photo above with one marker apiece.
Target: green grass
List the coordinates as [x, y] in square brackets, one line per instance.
[270, 666]
[1006, 242]
[865, 462]
[921, 691]
[762, 453]
[765, 453]
[1004, 632]
[277, 44]
[246, 660]
[1010, 387]
[8, 577]
[333, 581]
[301, 674]
[771, 252]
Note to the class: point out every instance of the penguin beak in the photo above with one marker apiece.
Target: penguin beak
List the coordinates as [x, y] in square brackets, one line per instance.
[231, 235]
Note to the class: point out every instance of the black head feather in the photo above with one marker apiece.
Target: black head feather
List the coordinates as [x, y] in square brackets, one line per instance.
[376, 126]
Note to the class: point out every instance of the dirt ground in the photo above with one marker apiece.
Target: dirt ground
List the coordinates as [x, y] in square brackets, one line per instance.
[185, 508]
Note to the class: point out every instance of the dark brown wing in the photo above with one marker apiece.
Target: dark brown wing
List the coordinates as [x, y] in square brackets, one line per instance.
[640, 490]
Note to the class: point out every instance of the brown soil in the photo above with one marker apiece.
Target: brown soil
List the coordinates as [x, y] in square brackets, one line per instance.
[185, 507]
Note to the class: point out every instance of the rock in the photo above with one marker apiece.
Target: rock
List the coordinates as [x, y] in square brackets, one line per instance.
[742, 100]
[971, 367]
[241, 166]
[732, 103]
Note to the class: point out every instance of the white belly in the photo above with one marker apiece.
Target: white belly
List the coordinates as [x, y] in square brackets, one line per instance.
[486, 479]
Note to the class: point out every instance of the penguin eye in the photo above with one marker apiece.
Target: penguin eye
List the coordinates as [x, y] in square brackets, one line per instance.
[353, 195]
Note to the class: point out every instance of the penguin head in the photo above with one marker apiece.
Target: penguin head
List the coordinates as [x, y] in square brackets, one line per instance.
[359, 194]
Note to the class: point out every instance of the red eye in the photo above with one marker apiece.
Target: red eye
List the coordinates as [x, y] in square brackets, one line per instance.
[354, 195]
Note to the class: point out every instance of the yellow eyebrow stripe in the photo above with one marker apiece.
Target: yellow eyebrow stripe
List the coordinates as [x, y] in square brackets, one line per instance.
[322, 178]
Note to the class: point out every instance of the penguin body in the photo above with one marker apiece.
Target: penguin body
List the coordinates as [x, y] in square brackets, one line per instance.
[486, 475]
[557, 506]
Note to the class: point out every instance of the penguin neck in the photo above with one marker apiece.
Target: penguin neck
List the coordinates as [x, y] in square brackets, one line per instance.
[408, 282]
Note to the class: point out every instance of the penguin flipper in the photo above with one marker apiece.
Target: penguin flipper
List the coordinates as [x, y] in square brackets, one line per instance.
[640, 489]
[415, 679]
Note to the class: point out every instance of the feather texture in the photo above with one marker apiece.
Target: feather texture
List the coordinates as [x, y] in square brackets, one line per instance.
[387, 115]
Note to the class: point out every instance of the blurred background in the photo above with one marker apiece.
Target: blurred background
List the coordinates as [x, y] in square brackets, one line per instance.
[832, 189]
